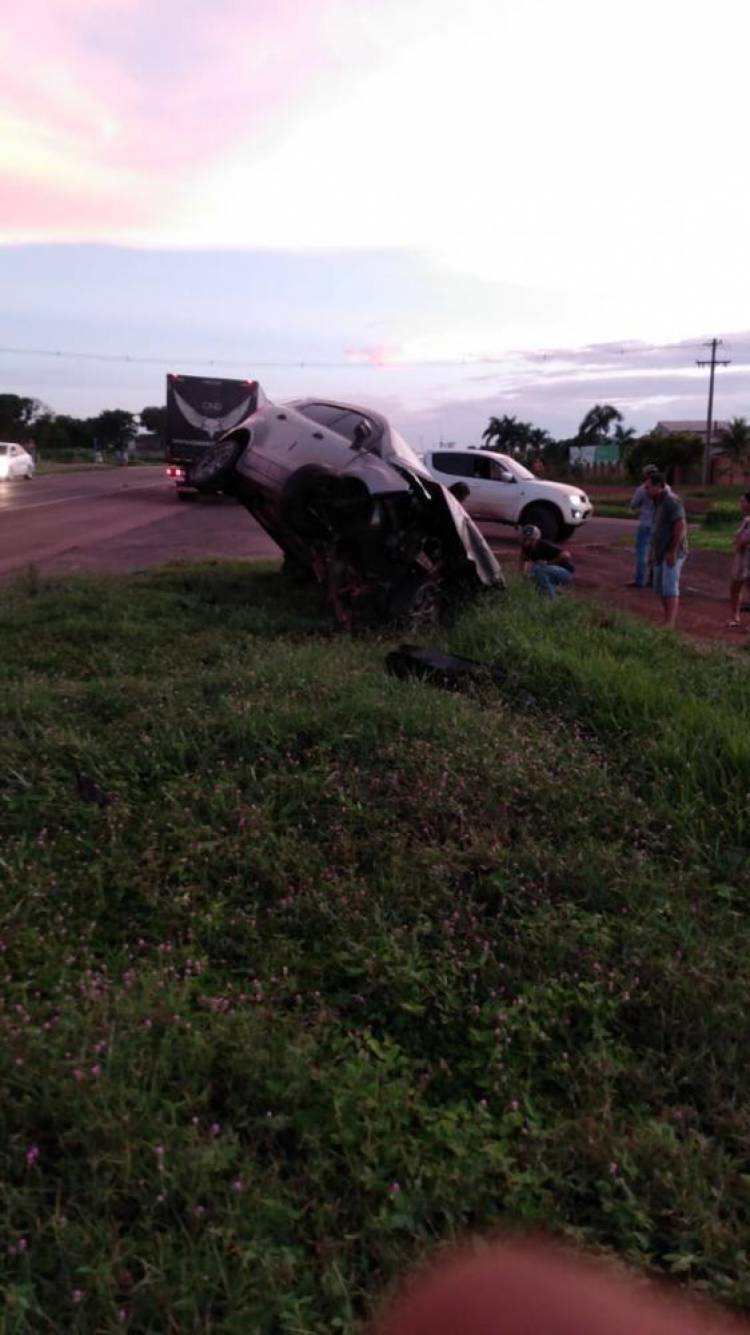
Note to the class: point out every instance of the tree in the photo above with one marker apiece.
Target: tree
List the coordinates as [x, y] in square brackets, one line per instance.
[622, 437]
[594, 428]
[668, 452]
[155, 420]
[510, 436]
[113, 429]
[18, 415]
[60, 432]
[735, 438]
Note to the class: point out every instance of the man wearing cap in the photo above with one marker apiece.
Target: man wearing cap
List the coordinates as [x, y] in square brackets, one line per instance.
[641, 501]
[550, 567]
[668, 544]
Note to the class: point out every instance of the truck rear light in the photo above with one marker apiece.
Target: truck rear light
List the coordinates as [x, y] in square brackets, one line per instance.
[178, 474]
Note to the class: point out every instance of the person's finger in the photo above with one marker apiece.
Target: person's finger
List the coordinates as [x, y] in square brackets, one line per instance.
[536, 1289]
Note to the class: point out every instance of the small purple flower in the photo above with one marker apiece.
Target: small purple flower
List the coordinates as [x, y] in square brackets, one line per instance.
[514, 1105]
[77, 1296]
[215, 1129]
[394, 1188]
[96, 1070]
[32, 1154]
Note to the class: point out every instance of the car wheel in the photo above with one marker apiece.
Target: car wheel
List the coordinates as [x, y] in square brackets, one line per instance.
[184, 495]
[214, 467]
[567, 531]
[547, 520]
[416, 603]
[303, 501]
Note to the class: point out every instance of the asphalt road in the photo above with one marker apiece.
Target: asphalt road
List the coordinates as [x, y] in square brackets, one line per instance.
[117, 519]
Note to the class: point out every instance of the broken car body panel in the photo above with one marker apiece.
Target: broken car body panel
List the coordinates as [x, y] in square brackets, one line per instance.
[348, 500]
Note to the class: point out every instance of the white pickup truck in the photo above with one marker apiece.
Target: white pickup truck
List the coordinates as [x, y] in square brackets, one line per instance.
[503, 491]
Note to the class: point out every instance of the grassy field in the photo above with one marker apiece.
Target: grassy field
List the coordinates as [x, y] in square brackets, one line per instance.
[343, 967]
[45, 467]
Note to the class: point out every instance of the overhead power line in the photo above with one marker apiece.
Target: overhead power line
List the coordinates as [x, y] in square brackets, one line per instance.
[354, 362]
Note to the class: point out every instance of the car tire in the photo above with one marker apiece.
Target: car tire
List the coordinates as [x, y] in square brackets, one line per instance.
[567, 531]
[416, 603]
[547, 519]
[212, 470]
[184, 495]
[300, 491]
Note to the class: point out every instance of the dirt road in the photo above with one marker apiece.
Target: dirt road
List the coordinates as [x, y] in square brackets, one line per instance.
[604, 561]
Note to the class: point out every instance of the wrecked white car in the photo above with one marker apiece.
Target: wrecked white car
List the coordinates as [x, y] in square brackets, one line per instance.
[351, 504]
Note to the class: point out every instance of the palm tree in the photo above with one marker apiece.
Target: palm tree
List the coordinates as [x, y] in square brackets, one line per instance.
[622, 436]
[595, 426]
[735, 438]
[510, 436]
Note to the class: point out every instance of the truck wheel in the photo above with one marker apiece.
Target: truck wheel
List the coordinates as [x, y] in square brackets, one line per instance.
[547, 519]
[184, 495]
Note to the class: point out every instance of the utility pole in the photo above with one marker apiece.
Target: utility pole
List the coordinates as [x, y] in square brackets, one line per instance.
[713, 361]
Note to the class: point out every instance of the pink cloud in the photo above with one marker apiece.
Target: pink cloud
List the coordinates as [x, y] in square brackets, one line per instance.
[154, 90]
[377, 354]
[40, 210]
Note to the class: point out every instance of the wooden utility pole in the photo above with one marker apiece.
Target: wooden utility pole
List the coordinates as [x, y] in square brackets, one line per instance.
[713, 361]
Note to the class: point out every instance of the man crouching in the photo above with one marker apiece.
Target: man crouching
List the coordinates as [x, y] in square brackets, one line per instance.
[550, 566]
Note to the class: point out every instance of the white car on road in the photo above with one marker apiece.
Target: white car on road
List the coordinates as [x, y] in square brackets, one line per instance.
[15, 461]
[503, 491]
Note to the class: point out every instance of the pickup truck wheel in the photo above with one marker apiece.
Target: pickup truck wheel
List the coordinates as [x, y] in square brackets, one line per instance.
[547, 519]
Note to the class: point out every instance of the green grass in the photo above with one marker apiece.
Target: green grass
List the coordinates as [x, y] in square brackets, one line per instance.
[350, 966]
[51, 466]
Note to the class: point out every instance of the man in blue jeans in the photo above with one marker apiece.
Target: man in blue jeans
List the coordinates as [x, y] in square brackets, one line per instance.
[668, 544]
[641, 501]
[550, 567]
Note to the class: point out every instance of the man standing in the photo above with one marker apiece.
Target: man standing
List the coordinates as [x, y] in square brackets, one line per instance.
[641, 501]
[668, 544]
[551, 568]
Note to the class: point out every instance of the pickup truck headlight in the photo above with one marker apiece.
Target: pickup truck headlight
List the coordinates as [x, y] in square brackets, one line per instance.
[577, 500]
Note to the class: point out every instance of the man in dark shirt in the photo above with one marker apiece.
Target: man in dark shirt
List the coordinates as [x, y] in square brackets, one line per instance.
[550, 567]
[668, 544]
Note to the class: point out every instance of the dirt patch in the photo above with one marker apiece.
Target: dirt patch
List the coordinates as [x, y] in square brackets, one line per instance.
[604, 561]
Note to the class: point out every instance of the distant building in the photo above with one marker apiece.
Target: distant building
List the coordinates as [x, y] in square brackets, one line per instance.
[593, 456]
[690, 428]
[725, 470]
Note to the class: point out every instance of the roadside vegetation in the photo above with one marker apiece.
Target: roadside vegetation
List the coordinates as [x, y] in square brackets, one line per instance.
[713, 513]
[305, 970]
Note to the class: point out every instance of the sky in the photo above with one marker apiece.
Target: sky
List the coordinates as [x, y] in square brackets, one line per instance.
[444, 211]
